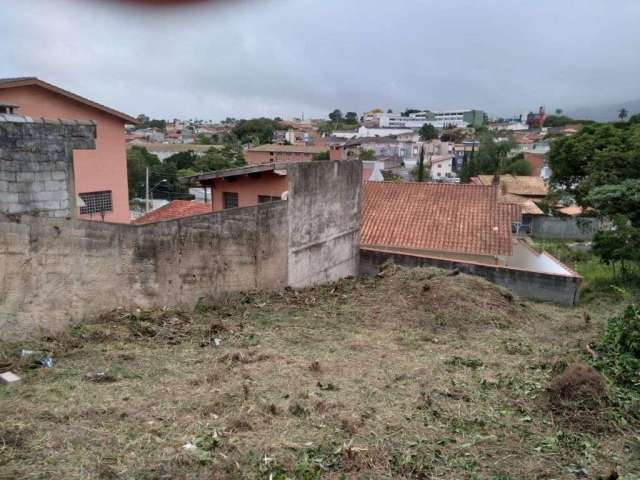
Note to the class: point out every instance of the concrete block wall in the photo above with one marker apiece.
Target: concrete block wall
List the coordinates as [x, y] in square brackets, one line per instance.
[56, 270]
[325, 212]
[560, 289]
[59, 271]
[36, 164]
[575, 228]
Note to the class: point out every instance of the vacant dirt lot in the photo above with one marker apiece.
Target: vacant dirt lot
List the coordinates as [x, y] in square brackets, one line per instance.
[416, 374]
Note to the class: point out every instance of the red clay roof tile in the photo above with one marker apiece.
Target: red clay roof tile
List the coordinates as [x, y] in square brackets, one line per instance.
[437, 216]
[173, 210]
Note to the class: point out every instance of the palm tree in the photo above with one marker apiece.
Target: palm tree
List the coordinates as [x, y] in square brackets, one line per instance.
[622, 114]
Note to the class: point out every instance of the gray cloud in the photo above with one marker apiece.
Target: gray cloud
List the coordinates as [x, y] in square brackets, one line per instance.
[285, 57]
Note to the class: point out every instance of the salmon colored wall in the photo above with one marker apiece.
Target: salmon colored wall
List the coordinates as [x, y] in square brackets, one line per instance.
[259, 157]
[536, 161]
[104, 168]
[248, 188]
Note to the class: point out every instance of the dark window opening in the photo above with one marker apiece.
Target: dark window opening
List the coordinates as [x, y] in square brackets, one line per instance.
[229, 200]
[96, 202]
[267, 199]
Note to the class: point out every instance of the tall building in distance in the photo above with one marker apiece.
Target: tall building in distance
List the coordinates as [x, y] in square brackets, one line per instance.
[441, 119]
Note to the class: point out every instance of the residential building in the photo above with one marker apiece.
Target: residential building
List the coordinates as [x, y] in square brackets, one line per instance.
[441, 119]
[536, 120]
[441, 168]
[165, 150]
[461, 222]
[530, 187]
[245, 186]
[100, 175]
[271, 153]
[538, 164]
[524, 191]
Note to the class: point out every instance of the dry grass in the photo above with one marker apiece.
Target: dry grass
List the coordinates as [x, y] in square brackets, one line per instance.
[415, 374]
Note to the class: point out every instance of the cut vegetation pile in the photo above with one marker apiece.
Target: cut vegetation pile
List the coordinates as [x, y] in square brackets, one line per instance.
[416, 373]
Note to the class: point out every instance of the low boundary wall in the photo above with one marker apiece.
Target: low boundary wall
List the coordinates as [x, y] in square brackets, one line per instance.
[546, 287]
[573, 228]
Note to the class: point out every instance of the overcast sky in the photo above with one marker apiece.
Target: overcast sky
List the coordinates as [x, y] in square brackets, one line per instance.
[288, 57]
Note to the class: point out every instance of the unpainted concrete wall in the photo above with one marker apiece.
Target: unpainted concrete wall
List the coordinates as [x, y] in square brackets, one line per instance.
[36, 164]
[533, 285]
[578, 228]
[57, 271]
[325, 212]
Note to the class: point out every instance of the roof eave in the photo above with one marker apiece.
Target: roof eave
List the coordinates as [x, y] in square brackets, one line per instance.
[41, 83]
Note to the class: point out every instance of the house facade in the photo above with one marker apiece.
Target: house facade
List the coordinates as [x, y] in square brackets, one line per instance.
[272, 153]
[100, 175]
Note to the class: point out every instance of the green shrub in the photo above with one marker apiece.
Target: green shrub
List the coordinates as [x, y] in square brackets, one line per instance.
[619, 348]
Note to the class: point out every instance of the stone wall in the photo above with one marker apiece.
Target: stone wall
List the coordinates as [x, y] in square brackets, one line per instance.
[58, 271]
[36, 164]
[325, 200]
[546, 287]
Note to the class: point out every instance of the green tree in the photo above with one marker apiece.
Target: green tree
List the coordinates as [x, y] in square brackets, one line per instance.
[219, 159]
[491, 157]
[455, 135]
[516, 166]
[351, 117]
[557, 120]
[145, 122]
[321, 155]
[428, 132]
[183, 159]
[367, 154]
[256, 131]
[138, 159]
[600, 167]
[421, 169]
[622, 114]
[202, 139]
[336, 116]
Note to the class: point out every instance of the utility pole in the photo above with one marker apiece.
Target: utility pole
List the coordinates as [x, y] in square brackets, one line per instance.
[146, 185]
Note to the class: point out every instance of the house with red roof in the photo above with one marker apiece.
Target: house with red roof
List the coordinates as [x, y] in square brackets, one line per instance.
[174, 210]
[100, 175]
[459, 222]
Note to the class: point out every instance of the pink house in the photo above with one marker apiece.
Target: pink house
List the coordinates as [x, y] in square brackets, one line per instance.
[100, 174]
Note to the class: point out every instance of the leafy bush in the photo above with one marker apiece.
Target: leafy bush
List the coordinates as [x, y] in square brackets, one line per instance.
[619, 348]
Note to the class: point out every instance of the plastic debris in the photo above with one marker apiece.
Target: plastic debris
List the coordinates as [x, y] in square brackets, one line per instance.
[46, 361]
[9, 377]
[40, 359]
[217, 341]
[100, 376]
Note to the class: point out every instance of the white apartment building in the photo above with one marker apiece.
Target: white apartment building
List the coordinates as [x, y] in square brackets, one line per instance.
[441, 168]
[442, 119]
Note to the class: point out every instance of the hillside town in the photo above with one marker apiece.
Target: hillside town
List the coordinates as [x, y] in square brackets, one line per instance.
[430, 290]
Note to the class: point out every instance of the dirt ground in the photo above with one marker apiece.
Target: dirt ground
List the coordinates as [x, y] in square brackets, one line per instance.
[414, 374]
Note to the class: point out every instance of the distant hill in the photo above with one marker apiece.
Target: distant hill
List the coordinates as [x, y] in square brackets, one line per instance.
[603, 113]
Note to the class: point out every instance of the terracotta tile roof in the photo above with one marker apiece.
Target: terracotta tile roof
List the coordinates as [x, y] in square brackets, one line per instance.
[573, 210]
[517, 185]
[437, 216]
[173, 210]
[527, 206]
[272, 147]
